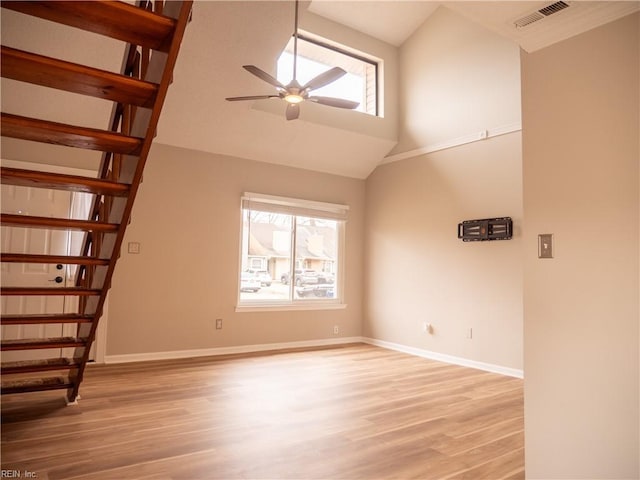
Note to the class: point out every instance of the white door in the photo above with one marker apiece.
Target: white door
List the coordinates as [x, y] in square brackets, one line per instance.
[45, 203]
[39, 202]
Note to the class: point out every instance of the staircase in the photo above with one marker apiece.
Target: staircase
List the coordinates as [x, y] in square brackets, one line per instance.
[152, 32]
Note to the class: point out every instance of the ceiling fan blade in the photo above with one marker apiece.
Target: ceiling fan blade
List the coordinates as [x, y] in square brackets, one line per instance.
[335, 102]
[293, 111]
[252, 97]
[324, 78]
[261, 74]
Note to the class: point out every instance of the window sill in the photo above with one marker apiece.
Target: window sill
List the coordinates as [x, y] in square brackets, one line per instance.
[289, 307]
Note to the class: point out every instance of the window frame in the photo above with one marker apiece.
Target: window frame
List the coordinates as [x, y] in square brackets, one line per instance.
[296, 208]
[345, 50]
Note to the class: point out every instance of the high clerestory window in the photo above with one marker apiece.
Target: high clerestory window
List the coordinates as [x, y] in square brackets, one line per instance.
[360, 84]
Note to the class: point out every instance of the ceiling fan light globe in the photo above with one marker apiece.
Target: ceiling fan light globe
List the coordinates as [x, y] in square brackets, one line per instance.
[293, 98]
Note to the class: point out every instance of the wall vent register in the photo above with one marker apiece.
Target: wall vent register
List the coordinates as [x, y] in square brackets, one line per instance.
[540, 14]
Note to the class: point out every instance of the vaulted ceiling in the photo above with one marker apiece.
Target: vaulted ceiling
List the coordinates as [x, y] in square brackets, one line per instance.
[223, 36]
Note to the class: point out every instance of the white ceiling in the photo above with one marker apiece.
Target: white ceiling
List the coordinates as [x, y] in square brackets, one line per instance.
[223, 36]
[390, 21]
[393, 21]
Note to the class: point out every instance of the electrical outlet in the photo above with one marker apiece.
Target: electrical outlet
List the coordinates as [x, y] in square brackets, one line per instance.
[427, 328]
[336, 329]
[218, 324]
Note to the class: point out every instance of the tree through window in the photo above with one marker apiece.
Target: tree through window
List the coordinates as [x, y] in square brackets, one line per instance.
[291, 251]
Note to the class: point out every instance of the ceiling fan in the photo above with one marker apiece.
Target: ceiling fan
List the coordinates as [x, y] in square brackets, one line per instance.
[294, 93]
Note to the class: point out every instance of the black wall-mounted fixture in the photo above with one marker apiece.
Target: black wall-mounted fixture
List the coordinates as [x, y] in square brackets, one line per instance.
[486, 229]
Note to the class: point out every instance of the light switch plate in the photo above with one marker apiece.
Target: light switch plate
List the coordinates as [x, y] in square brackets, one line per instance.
[545, 245]
[133, 247]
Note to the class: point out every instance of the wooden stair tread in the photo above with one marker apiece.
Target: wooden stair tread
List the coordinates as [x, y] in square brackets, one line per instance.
[38, 343]
[35, 384]
[113, 19]
[45, 291]
[59, 181]
[62, 259]
[44, 131]
[28, 221]
[138, 93]
[72, 77]
[45, 319]
[42, 365]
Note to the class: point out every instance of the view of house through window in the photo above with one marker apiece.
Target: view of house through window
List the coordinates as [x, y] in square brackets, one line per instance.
[358, 85]
[288, 255]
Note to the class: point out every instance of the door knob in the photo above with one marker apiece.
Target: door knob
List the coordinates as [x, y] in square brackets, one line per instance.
[58, 279]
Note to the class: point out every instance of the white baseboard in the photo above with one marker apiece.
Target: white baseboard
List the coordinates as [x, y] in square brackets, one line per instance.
[208, 352]
[441, 357]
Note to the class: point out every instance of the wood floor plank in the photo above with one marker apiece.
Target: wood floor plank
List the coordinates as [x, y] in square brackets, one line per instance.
[352, 412]
[508, 466]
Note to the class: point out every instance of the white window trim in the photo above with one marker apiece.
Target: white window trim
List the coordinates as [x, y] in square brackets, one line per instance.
[267, 307]
[299, 207]
[373, 103]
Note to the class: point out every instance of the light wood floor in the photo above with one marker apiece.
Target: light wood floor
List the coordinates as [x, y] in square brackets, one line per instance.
[352, 412]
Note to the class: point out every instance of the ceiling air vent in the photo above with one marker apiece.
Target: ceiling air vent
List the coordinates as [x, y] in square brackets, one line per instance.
[540, 14]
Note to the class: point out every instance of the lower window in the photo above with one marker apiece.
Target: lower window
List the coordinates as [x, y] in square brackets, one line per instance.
[291, 251]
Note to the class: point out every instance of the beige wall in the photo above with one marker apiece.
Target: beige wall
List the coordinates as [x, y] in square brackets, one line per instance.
[187, 220]
[456, 79]
[419, 271]
[580, 154]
